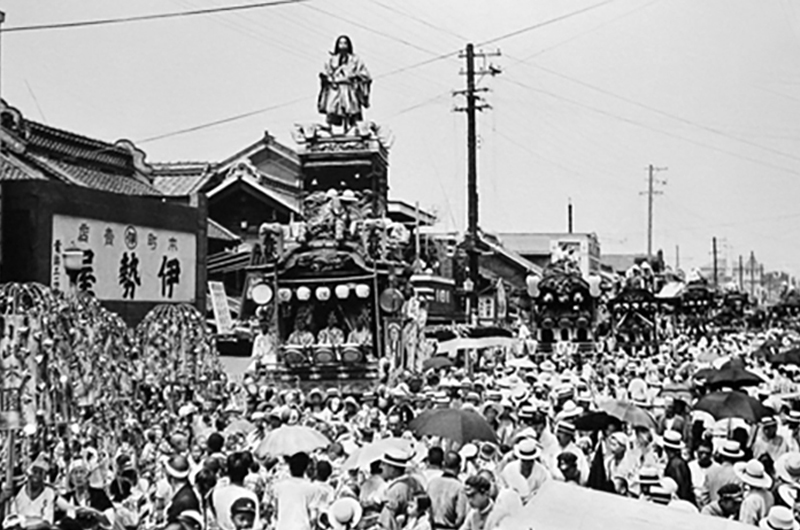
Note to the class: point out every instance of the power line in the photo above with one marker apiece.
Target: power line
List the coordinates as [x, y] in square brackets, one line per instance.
[141, 18]
[420, 20]
[665, 113]
[543, 24]
[651, 128]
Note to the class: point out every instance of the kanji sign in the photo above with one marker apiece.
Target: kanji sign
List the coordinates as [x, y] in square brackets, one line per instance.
[125, 262]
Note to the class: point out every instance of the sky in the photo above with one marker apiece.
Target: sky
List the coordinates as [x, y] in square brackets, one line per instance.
[591, 93]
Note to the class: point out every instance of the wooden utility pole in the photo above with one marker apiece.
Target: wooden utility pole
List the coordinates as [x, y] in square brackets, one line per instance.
[569, 216]
[741, 273]
[651, 191]
[474, 104]
[714, 251]
[677, 258]
[752, 273]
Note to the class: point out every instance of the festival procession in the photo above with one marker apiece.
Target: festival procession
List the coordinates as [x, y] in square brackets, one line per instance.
[272, 341]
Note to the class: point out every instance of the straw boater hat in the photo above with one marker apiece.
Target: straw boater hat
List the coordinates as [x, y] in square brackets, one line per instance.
[787, 467]
[39, 463]
[788, 494]
[648, 476]
[397, 457]
[565, 427]
[730, 449]
[779, 518]
[527, 449]
[177, 467]
[344, 513]
[753, 474]
[673, 440]
[768, 421]
[468, 451]
[794, 418]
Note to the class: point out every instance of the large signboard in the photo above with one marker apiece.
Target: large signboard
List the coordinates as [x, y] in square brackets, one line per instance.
[124, 262]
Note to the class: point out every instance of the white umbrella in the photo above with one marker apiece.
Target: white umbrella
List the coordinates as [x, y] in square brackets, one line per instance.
[364, 456]
[291, 439]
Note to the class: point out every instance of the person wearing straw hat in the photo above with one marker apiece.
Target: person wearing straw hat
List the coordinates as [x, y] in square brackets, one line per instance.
[787, 469]
[525, 474]
[294, 497]
[728, 454]
[758, 498]
[676, 467]
[700, 467]
[779, 518]
[400, 486]
[448, 502]
[185, 497]
[768, 441]
[565, 437]
[344, 514]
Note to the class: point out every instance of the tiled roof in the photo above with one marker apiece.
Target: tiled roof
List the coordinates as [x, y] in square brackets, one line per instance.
[13, 169]
[180, 178]
[53, 141]
[217, 231]
[96, 179]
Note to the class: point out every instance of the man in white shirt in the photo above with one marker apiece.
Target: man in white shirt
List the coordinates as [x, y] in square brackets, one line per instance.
[526, 474]
[223, 497]
[295, 497]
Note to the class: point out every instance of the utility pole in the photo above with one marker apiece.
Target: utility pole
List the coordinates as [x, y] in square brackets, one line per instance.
[2, 20]
[741, 274]
[714, 251]
[677, 258]
[651, 191]
[752, 273]
[569, 216]
[474, 104]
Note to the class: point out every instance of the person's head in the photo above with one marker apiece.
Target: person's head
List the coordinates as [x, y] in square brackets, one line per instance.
[730, 499]
[435, 456]
[420, 505]
[568, 466]
[243, 513]
[177, 469]
[205, 480]
[703, 452]
[617, 444]
[37, 472]
[343, 45]
[324, 470]
[770, 427]
[643, 435]
[394, 463]
[394, 423]
[78, 474]
[215, 443]
[238, 465]
[298, 463]
[565, 433]
[452, 462]
[478, 492]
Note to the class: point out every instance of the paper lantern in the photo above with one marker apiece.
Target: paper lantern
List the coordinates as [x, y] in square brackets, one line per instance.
[284, 294]
[532, 283]
[303, 294]
[323, 293]
[261, 293]
[342, 291]
[362, 290]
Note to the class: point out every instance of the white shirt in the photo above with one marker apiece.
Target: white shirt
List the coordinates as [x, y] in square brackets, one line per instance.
[222, 498]
[42, 508]
[296, 503]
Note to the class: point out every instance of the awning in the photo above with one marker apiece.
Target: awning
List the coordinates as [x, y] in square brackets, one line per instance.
[470, 337]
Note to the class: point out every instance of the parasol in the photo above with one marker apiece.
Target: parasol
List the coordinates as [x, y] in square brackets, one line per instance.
[595, 421]
[437, 362]
[628, 413]
[733, 404]
[459, 425]
[291, 439]
[364, 456]
[734, 377]
[239, 427]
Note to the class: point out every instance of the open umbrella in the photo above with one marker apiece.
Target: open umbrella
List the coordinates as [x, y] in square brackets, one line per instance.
[788, 357]
[733, 404]
[291, 439]
[459, 425]
[437, 362]
[239, 427]
[595, 421]
[628, 412]
[364, 456]
[734, 377]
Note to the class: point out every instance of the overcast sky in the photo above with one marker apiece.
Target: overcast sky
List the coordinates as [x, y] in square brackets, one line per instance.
[707, 88]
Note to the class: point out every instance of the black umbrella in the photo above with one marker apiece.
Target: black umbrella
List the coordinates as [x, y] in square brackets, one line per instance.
[733, 404]
[734, 377]
[596, 421]
[460, 425]
[788, 357]
[437, 362]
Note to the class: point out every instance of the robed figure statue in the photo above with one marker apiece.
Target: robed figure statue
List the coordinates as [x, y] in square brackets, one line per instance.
[345, 86]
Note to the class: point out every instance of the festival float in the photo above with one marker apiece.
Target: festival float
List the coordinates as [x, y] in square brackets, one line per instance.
[565, 308]
[327, 292]
[635, 315]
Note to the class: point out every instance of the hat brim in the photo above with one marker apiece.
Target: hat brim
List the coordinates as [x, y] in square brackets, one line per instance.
[357, 513]
[763, 524]
[783, 473]
[535, 456]
[764, 482]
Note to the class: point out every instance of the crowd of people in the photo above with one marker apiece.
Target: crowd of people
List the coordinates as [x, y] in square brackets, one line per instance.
[196, 455]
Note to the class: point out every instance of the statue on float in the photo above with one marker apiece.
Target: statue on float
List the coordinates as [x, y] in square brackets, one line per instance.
[344, 86]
